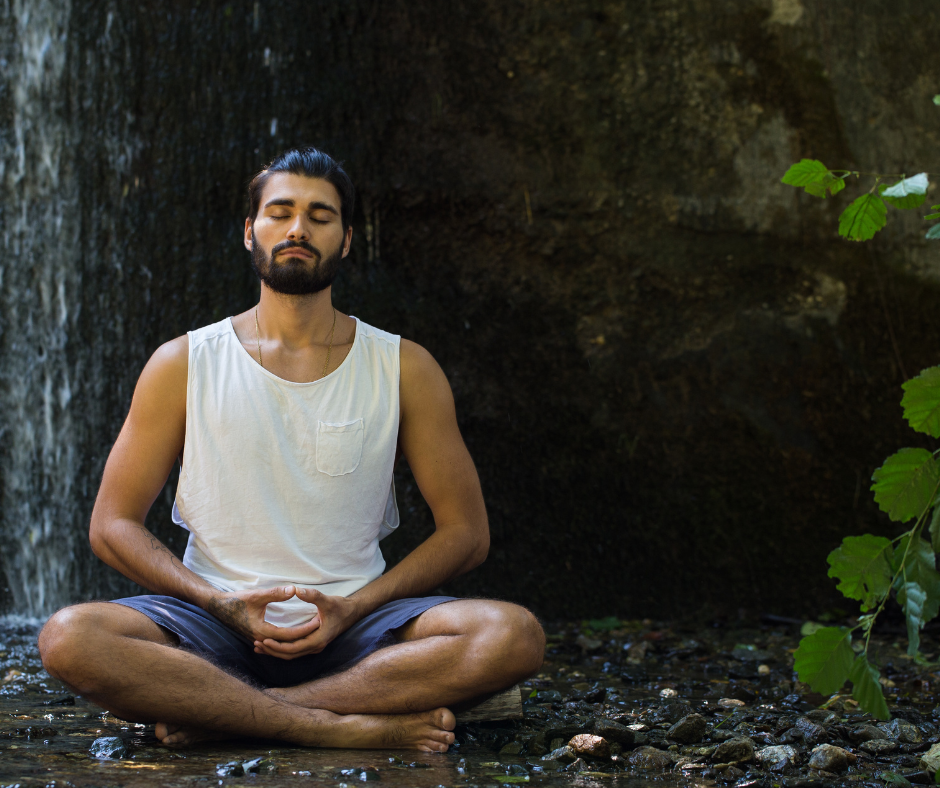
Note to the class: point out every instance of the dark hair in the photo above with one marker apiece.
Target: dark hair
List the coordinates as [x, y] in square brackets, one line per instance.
[311, 163]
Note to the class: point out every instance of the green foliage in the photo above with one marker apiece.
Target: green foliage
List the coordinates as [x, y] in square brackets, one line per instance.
[863, 218]
[895, 779]
[867, 214]
[921, 402]
[906, 484]
[863, 565]
[866, 688]
[933, 233]
[601, 624]
[824, 659]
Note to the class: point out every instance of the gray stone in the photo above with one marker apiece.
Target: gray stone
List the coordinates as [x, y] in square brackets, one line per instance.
[862, 733]
[563, 754]
[650, 758]
[738, 750]
[230, 769]
[878, 746]
[828, 758]
[614, 731]
[776, 758]
[810, 732]
[903, 731]
[108, 747]
[690, 729]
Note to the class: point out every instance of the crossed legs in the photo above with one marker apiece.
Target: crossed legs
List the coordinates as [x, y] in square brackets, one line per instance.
[395, 697]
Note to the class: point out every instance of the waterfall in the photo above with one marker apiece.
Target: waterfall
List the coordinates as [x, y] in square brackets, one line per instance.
[40, 276]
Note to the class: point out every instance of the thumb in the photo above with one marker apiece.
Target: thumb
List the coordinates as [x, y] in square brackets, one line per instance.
[277, 594]
[312, 596]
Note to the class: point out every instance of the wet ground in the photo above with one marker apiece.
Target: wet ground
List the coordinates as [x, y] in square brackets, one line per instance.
[617, 703]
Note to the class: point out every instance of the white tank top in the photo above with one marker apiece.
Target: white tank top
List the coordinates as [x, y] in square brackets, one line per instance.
[288, 483]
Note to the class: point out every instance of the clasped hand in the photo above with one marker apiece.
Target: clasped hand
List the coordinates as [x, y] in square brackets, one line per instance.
[244, 611]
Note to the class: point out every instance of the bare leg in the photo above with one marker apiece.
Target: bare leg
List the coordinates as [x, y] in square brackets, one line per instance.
[122, 661]
[451, 653]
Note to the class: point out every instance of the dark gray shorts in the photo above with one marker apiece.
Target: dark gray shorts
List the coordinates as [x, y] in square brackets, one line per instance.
[203, 634]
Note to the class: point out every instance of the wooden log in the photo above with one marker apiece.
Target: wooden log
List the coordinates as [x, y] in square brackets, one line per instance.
[505, 705]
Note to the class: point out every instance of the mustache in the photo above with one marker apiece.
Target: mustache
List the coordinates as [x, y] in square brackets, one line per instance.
[295, 245]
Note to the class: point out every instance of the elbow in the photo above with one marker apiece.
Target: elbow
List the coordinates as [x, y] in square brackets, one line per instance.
[97, 538]
[480, 551]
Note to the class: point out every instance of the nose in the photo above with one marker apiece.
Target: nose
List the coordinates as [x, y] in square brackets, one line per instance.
[298, 230]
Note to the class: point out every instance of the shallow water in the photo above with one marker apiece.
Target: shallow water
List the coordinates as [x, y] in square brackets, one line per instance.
[626, 674]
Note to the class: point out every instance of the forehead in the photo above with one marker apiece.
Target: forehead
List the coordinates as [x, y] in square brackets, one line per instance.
[300, 189]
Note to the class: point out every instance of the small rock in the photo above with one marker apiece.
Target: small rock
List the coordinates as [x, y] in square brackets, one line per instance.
[577, 765]
[513, 748]
[230, 769]
[587, 745]
[65, 700]
[689, 729]
[878, 746]
[731, 773]
[862, 733]
[776, 758]
[717, 734]
[650, 758]
[930, 760]
[588, 644]
[668, 692]
[548, 696]
[903, 731]
[763, 670]
[563, 754]
[730, 703]
[737, 750]
[108, 747]
[823, 717]
[614, 731]
[829, 758]
[263, 766]
[811, 733]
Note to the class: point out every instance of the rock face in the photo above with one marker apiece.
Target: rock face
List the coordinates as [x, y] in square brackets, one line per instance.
[587, 230]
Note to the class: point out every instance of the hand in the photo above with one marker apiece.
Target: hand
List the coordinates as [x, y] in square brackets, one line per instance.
[335, 614]
[244, 611]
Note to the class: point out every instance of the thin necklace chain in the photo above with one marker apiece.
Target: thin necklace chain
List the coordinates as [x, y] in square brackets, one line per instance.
[329, 350]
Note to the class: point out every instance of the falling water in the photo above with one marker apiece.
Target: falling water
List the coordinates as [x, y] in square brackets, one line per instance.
[39, 277]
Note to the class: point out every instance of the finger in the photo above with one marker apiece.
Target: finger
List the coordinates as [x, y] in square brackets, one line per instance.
[288, 634]
[309, 645]
[276, 594]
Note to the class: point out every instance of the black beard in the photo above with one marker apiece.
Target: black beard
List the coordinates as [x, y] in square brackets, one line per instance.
[294, 276]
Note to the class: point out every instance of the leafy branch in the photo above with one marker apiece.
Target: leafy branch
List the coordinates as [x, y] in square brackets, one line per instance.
[867, 214]
[869, 568]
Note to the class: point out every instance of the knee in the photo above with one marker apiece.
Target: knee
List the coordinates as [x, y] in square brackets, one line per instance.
[64, 640]
[516, 638]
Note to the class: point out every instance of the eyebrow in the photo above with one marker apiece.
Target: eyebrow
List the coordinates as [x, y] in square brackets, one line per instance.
[314, 206]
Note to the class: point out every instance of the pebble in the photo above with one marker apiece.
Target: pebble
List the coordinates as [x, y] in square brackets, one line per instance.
[829, 758]
[108, 747]
[737, 750]
[930, 760]
[587, 745]
[776, 758]
[564, 754]
[810, 732]
[650, 758]
[903, 731]
[878, 746]
[730, 703]
[689, 730]
[862, 733]
[614, 731]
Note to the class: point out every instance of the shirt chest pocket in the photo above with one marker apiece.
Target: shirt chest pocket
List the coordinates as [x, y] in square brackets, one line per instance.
[339, 446]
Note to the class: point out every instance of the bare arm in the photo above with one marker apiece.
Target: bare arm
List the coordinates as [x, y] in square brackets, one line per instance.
[137, 468]
[430, 440]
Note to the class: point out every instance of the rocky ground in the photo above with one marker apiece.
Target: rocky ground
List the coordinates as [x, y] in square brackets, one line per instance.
[616, 702]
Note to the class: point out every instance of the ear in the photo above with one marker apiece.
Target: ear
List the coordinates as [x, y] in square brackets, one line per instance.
[348, 241]
[248, 234]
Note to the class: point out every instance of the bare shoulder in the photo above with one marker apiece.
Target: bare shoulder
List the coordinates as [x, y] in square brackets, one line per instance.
[423, 382]
[165, 374]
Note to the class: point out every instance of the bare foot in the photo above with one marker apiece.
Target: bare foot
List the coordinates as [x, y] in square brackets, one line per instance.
[431, 731]
[177, 736]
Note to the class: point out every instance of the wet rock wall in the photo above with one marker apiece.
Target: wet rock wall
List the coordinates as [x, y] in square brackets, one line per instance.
[674, 378]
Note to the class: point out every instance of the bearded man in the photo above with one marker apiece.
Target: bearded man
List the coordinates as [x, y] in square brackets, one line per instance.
[280, 622]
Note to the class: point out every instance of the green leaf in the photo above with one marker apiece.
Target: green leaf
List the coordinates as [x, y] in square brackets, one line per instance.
[931, 217]
[895, 779]
[805, 172]
[918, 564]
[863, 218]
[824, 659]
[905, 485]
[936, 99]
[921, 402]
[935, 530]
[908, 193]
[809, 627]
[831, 183]
[912, 598]
[863, 565]
[933, 233]
[866, 689]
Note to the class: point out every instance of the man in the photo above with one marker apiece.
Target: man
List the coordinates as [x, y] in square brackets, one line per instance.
[279, 622]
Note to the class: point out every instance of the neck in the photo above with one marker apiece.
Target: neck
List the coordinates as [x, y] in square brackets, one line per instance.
[295, 321]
